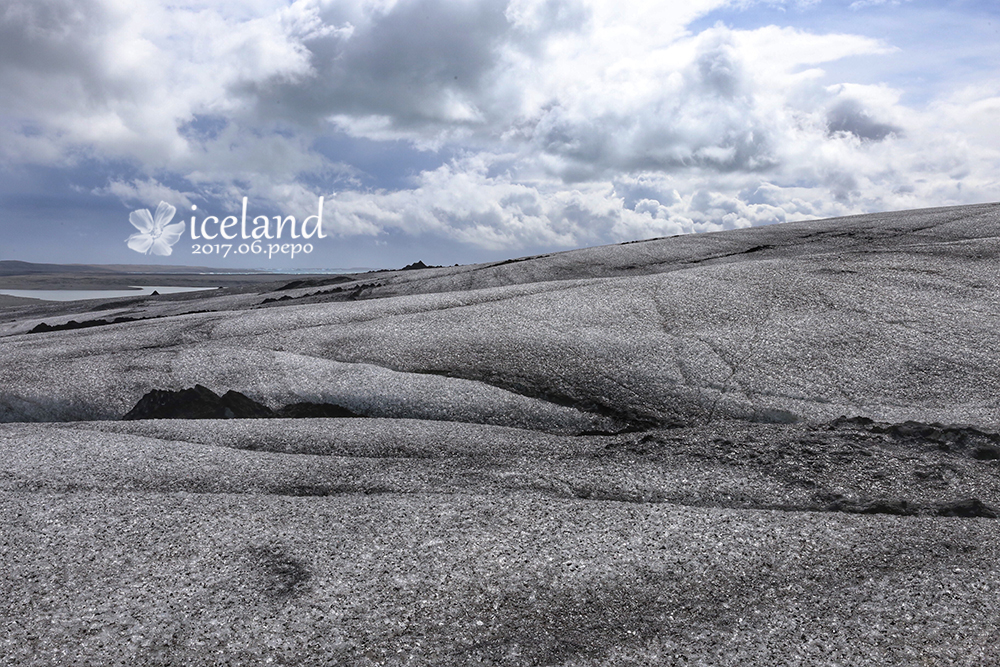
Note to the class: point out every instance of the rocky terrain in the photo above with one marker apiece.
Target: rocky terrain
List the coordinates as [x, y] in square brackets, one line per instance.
[774, 446]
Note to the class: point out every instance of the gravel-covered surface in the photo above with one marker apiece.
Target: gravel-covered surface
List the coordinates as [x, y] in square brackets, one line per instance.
[627, 455]
[828, 467]
[386, 542]
[126, 578]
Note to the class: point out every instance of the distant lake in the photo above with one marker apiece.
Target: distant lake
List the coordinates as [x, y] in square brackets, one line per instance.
[81, 294]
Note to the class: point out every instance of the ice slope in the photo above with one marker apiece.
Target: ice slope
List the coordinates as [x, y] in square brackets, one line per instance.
[887, 316]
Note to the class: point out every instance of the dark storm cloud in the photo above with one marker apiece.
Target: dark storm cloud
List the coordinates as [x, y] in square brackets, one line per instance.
[422, 62]
[851, 117]
[51, 56]
[49, 36]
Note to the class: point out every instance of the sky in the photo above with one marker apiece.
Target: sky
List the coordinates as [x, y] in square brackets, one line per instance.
[460, 131]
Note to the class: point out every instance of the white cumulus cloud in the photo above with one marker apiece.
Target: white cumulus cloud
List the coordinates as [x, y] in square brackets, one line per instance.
[559, 122]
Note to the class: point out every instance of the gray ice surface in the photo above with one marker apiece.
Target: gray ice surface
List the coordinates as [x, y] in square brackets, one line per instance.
[889, 316]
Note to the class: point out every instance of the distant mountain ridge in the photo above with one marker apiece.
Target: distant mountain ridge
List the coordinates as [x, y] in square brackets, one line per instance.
[11, 267]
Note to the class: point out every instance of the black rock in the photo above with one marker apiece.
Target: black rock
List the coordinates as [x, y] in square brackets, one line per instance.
[200, 402]
[73, 324]
[419, 265]
[272, 300]
[68, 326]
[240, 406]
[955, 438]
[971, 507]
[852, 422]
[197, 402]
[314, 282]
[416, 265]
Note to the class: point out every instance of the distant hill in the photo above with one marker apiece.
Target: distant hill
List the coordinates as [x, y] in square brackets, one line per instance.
[9, 267]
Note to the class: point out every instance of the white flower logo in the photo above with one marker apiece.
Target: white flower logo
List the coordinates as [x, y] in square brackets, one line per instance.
[155, 235]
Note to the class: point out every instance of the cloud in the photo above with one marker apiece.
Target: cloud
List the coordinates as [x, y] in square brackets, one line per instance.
[147, 192]
[417, 63]
[849, 116]
[530, 123]
[99, 76]
[465, 201]
[862, 4]
[702, 115]
[461, 200]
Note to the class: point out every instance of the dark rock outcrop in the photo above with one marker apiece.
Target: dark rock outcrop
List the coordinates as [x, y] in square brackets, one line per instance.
[200, 402]
[73, 324]
[955, 438]
[967, 508]
[416, 265]
[971, 507]
[419, 265]
[314, 282]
